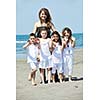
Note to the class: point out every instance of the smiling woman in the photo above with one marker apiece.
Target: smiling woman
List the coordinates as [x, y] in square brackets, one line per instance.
[51, 14]
[66, 12]
[44, 21]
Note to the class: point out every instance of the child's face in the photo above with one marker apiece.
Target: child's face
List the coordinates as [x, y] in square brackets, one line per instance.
[56, 37]
[32, 38]
[43, 16]
[43, 34]
[66, 34]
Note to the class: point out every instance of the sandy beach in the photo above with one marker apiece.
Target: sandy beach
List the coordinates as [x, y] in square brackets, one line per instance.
[58, 91]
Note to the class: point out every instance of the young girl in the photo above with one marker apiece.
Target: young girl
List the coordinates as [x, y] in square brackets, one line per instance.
[56, 55]
[44, 21]
[45, 55]
[32, 55]
[68, 44]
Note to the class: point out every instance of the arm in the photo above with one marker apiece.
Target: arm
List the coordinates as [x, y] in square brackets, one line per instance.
[51, 45]
[35, 27]
[26, 45]
[52, 27]
[63, 44]
[73, 38]
[73, 43]
[38, 57]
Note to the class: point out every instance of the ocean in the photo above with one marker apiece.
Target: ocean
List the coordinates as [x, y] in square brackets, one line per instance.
[22, 39]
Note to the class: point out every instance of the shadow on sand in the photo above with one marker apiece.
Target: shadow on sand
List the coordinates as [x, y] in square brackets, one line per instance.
[74, 79]
[66, 79]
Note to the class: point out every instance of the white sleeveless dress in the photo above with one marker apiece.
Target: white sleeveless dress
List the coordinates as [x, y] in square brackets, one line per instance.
[45, 55]
[57, 59]
[68, 59]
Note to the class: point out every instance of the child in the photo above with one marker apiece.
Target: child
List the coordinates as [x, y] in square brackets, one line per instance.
[32, 47]
[68, 44]
[45, 55]
[56, 55]
[44, 21]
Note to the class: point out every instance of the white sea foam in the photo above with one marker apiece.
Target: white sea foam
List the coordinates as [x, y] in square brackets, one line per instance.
[21, 41]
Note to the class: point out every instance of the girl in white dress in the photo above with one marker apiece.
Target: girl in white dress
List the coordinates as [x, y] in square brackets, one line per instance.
[45, 55]
[56, 55]
[68, 44]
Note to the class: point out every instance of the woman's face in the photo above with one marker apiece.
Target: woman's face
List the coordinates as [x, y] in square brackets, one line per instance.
[43, 16]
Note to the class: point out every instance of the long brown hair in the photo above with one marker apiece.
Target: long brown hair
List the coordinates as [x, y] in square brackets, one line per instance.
[46, 11]
[68, 30]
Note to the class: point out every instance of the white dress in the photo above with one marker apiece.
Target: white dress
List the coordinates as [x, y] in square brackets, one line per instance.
[57, 59]
[68, 59]
[45, 55]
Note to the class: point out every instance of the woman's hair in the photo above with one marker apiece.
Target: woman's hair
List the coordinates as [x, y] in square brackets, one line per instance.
[68, 30]
[46, 11]
[59, 40]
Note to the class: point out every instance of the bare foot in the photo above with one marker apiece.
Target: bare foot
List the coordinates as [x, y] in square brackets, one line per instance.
[29, 77]
[34, 84]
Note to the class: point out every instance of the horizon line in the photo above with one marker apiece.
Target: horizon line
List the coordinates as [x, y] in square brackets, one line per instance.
[28, 33]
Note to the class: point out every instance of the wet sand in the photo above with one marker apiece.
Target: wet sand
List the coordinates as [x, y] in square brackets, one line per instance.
[58, 91]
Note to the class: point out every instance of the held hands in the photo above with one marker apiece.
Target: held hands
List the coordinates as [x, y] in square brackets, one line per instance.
[38, 58]
[35, 41]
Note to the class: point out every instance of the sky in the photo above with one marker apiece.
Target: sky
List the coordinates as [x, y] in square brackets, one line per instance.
[64, 13]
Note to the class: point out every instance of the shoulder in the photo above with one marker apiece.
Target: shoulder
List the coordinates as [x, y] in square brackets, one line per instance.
[51, 24]
[49, 39]
[37, 24]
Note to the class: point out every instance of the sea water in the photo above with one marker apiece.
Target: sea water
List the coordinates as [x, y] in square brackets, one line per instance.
[22, 39]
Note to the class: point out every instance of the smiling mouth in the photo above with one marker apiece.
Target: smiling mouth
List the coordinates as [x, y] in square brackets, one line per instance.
[43, 16]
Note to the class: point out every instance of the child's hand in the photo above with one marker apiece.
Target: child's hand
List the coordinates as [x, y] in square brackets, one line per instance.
[52, 38]
[65, 38]
[38, 58]
[37, 41]
[30, 41]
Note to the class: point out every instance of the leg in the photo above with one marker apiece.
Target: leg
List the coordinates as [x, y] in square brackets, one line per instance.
[33, 67]
[49, 74]
[53, 78]
[56, 76]
[30, 76]
[70, 68]
[42, 75]
[33, 77]
[60, 77]
[70, 78]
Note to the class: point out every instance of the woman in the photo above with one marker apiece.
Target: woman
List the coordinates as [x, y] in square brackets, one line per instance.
[44, 21]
